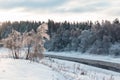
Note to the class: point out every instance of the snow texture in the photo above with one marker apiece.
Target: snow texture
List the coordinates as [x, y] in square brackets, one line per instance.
[53, 69]
[12, 69]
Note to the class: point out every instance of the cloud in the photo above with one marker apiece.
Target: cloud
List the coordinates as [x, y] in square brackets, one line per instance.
[32, 4]
[58, 6]
[78, 6]
[60, 9]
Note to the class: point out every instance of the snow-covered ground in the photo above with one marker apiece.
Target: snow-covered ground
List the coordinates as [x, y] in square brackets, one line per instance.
[53, 69]
[76, 71]
[108, 58]
[6, 52]
[14, 69]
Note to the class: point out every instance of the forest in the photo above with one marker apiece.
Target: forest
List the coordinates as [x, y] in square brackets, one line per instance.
[102, 38]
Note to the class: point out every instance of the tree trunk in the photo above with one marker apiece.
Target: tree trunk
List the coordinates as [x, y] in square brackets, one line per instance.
[27, 56]
[16, 56]
[13, 54]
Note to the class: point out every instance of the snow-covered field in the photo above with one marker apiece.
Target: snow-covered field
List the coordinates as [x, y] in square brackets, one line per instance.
[51, 69]
[12, 69]
[76, 71]
[6, 52]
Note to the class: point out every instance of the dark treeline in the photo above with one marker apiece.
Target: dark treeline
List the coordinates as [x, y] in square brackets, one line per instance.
[22, 26]
[95, 38]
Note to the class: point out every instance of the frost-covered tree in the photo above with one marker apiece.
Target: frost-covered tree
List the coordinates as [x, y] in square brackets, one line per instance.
[39, 40]
[14, 43]
[86, 39]
[28, 40]
[115, 49]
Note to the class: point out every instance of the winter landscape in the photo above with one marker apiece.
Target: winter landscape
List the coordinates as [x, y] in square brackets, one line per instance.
[59, 40]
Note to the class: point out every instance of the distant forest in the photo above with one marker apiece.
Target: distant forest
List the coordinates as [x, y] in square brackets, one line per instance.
[86, 37]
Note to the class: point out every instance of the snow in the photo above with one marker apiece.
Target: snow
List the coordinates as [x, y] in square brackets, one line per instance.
[12, 69]
[4, 52]
[53, 69]
[74, 71]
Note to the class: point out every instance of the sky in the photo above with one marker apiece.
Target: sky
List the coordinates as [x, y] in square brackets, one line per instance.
[59, 10]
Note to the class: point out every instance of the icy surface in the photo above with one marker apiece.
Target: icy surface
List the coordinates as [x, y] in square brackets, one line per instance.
[108, 58]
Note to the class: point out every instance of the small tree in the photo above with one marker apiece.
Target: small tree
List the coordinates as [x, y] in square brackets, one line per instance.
[28, 40]
[14, 43]
[40, 40]
[36, 41]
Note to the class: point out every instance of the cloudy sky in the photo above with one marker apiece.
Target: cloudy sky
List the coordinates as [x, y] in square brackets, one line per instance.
[59, 10]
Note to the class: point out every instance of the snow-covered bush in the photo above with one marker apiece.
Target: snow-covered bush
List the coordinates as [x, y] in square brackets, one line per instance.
[100, 46]
[115, 49]
[87, 38]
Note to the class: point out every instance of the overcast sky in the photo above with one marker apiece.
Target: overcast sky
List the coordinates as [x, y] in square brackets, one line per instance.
[59, 10]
